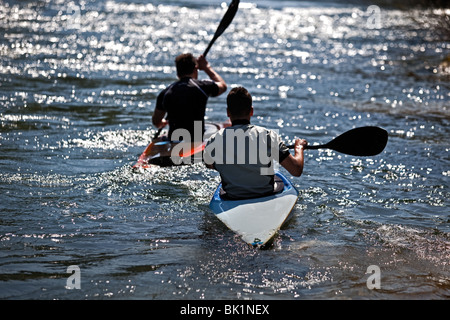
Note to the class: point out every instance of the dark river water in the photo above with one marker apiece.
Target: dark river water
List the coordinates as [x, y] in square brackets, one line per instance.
[78, 85]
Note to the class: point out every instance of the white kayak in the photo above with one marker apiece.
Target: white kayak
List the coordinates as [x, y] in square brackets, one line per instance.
[256, 220]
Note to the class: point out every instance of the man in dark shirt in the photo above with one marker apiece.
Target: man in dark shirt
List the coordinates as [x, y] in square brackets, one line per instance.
[184, 101]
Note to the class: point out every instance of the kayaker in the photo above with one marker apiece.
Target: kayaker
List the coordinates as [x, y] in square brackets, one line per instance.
[184, 101]
[243, 153]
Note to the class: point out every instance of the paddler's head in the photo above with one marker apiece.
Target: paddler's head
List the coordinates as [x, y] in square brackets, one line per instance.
[186, 65]
[239, 104]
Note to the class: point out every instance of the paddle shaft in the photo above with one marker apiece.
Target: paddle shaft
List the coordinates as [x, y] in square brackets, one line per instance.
[314, 147]
[158, 133]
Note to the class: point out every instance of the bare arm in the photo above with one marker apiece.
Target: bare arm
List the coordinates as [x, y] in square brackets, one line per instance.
[294, 163]
[203, 64]
[158, 118]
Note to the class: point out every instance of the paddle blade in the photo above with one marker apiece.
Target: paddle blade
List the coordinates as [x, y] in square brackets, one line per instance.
[224, 23]
[364, 141]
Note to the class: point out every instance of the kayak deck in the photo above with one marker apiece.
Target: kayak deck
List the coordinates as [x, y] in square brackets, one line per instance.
[161, 151]
[256, 220]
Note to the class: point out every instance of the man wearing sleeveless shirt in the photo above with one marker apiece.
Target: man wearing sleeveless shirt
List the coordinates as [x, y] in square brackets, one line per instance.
[184, 101]
[243, 154]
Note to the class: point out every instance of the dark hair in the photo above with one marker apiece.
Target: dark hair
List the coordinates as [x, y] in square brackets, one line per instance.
[239, 102]
[185, 64]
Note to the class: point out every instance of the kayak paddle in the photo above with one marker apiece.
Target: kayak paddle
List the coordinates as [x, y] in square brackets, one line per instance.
[224, 23]
[158, 133]
[363, 141]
